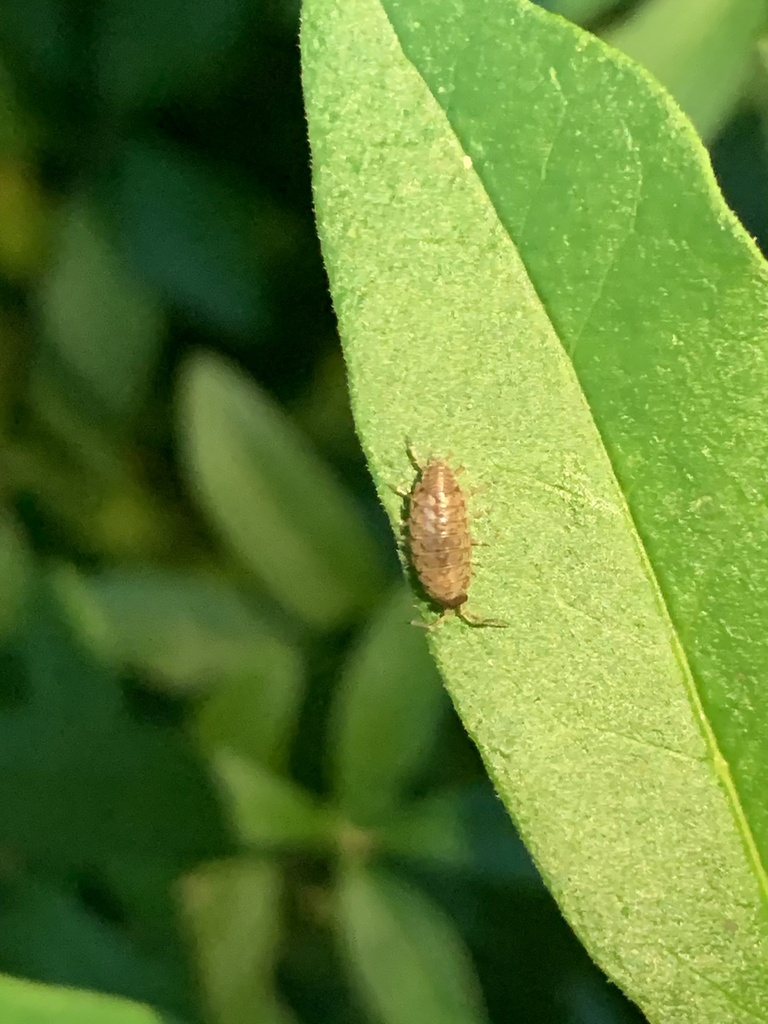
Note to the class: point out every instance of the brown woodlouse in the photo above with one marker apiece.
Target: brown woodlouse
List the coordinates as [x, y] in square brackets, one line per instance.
[440, 540]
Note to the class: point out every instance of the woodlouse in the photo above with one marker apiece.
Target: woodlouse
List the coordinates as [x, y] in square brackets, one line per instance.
[440, 539]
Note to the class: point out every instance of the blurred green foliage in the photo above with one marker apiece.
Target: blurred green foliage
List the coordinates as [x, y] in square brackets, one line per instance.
[230, 785]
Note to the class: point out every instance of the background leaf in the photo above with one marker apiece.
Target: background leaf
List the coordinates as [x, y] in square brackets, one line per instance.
[275, 503]
[268, 811]
[25, 1003]
[233, 907]
[407, 961]
[185, 631]
[623, 663]
[255, 714]
[74, 756]
[146, 52]
[16, 569]
[98, 321]
[48, 934]
[386, 715]
[466, 831]
[579, 11]
[188, 233]
[705, 68]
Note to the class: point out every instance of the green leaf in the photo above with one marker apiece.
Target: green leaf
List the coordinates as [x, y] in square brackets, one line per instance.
[703, 51]
[48, 934]
[189, 233]
[233, 910]
[580, 11]
[25, 222]
[42, 46]
[22, 1002]
[16, 567]
[102, 324]
[272, 499]
[386, 715]
[255, 714]
[405, 955]
[185, 630]
[268, 812]
[534, 273]
[81, 779]
[148, 52]
[15, 129]
[468, 832]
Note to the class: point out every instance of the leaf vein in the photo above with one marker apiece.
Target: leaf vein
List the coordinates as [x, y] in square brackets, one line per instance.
[616, 254]
[547, 155]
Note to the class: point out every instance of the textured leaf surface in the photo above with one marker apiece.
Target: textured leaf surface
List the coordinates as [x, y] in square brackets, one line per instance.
[535, 273]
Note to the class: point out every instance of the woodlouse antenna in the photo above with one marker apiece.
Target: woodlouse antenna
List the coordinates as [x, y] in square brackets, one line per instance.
[413, 458]
[477, 622]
